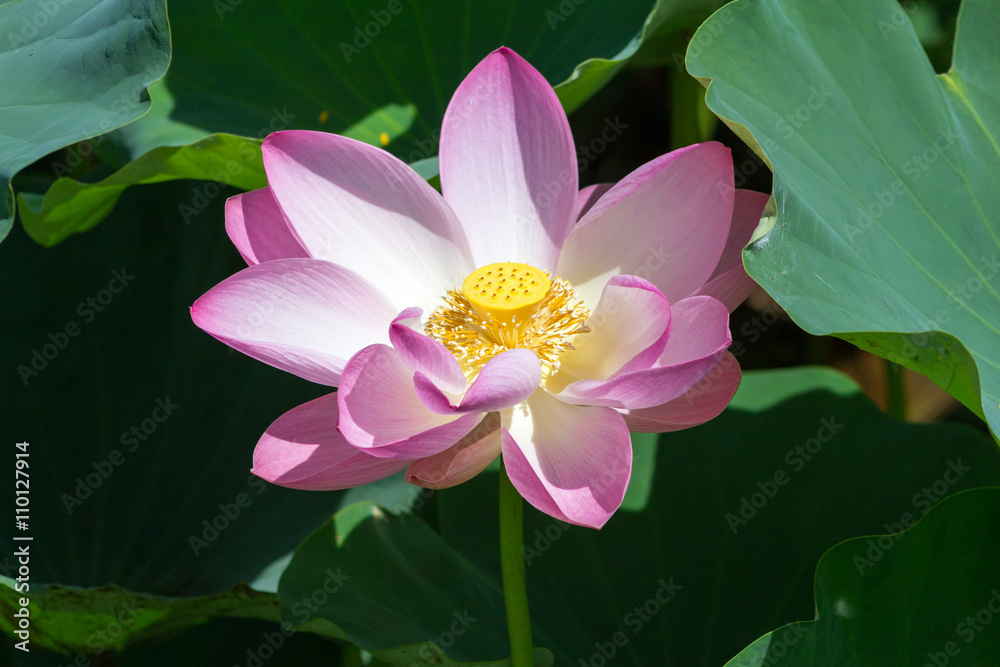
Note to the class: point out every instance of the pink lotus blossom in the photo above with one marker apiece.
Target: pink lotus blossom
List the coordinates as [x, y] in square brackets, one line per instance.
[513, 315]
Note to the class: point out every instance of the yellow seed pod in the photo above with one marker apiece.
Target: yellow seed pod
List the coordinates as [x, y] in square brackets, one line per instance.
[506, 290]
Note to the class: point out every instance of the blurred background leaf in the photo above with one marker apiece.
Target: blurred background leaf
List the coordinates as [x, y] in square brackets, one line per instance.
[72, 70]
[946, 596]
[379, 73]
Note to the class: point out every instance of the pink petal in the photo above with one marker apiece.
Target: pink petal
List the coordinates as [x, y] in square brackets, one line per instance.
[730, 283]
[508, 166]
[506, 380]
[705, 401]
[588, 196]
[381, 414]
[358, 206]
[303, 450]
[463, 461]
[666, 222]
[628, 331]
[425, 355]
[571, 462]
[258, 228]
[305, 316]
[699, 336]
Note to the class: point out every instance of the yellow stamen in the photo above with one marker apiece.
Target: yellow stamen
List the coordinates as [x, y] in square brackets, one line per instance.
[506, 306]
[384, 138]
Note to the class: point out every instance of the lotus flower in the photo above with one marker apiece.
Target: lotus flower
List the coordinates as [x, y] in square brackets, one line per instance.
[513, 315]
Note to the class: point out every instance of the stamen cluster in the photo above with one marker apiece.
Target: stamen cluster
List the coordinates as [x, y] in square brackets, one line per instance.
[474, 339]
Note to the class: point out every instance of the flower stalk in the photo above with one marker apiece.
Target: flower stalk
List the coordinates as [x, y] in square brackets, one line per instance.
[515, 592]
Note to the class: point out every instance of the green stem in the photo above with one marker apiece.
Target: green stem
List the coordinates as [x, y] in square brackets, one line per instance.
[897, 392]
[515, 593]
[691, 121]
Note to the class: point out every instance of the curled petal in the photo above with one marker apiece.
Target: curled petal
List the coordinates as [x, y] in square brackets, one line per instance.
[425, 355]
[381, 414]
[571, 462]
[699, 336]
[258, 228]
[628, 331]
[702, 402]
[462, 461]
[505, 380]
[303, 450]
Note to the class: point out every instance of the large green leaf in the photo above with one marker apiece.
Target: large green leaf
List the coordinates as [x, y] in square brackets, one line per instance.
[72, 70]
[141, 426]
[739, 512]
[70, 206]
[887, 177]
[246, 69]
[927, 596]
[397, 583]
[76, 621]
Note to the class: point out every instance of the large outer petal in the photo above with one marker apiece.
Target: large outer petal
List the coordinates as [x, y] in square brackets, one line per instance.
[304, 316]
[571, 462]
[381, 414]
[303, 450]
[628, 329]
[706, 400]
[730, 283]
[508, 167]
[258, 228]
[699, 336]
[358, 206]
[666, 222]
[462, 461]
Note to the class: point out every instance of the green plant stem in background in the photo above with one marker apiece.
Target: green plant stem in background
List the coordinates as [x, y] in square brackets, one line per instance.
[691, 121]
[897, 392]
[515, 593]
